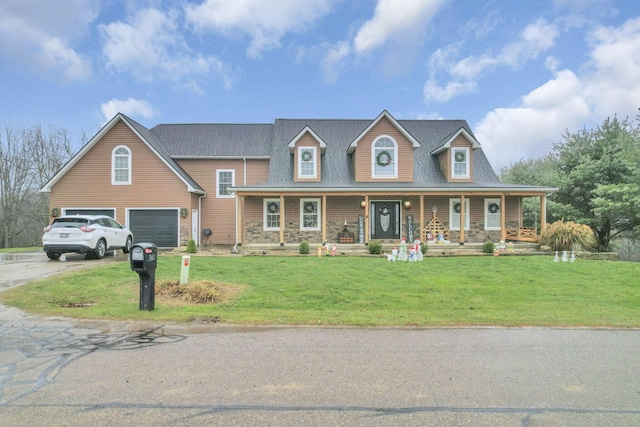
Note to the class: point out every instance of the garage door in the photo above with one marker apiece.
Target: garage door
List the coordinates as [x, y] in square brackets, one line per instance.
[157, 226]
[107, 212]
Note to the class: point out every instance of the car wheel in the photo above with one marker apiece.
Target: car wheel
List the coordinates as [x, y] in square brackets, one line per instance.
[54, 255]
[101, 249]
[127, 245]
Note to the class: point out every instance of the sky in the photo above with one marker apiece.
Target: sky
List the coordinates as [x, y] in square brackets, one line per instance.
[522, 73]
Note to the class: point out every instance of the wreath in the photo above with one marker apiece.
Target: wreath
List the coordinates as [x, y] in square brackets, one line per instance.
[307, 155]
[456, 207]
[383, 158]
[459, 156]
[184, 212]
[55, 212]
[309, 207]
[494, 207]
[273, 207]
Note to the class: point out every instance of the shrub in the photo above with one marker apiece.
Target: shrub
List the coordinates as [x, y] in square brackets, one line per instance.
[487, 247]
[304, 248]
[375, 248]
[567, 236]
[191, 247]
[424, 249]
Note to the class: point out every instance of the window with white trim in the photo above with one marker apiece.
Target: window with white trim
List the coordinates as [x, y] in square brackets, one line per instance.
[121, 166]
[307, 162]
[384, 164]
[271, 209]
[492, 215]
[454, 214]
[310, 214]
[225, 179]
[460, 162]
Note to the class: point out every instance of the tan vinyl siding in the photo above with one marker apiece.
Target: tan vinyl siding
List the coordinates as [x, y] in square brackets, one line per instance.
[88, 183]
[404, 155]
[219, 214]
[307, 141]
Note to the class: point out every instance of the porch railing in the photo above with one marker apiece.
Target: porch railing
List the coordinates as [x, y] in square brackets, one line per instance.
[523, 234]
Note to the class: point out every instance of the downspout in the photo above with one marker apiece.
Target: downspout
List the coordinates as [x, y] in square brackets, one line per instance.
[200, 218]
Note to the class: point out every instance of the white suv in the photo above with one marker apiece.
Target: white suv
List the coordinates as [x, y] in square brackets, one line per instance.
[85, 234]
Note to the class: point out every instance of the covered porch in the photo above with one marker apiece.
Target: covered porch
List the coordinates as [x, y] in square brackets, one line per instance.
[348, 217]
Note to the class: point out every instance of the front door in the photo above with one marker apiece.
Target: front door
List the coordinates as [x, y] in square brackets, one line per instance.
[386, 217]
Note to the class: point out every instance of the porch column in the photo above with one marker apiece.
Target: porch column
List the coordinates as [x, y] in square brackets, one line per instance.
[543, 212]
[421, 217]
[503, 217]
[324, 218]
[366, 219]
[239, 228]
[282, 221]
[462, 220]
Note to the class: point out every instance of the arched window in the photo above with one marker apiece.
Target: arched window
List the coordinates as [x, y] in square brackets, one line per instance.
[384, 162]
[121, 166]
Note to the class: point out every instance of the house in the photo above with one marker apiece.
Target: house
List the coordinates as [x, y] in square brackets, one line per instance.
[294, 180]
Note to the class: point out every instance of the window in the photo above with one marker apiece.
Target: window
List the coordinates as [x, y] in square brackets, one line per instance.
[492, 216]
[454, 214]
[121, 166]
[307, 162]
[271, 211]
[226, 179]
[383, 158]
[460, 163]
[310, 214]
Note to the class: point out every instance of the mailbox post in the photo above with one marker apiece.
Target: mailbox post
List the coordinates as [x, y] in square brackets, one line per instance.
[144, 259]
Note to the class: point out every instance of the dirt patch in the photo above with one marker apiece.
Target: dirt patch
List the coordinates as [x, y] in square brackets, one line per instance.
[197, 292]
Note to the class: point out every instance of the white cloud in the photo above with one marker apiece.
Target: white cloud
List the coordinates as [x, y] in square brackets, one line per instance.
[42, 34]
[150, 47]
[265, 22]
[397, 20]
[129, 107]
[614, 80]
[531, 129]
[433, 92]
[609, 86]
[333, 61]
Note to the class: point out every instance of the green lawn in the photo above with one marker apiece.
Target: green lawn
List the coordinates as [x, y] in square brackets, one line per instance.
[363, 291]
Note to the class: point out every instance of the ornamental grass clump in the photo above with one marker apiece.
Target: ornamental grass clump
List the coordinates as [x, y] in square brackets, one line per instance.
[375, 248]
[191, 247]
[567, 236]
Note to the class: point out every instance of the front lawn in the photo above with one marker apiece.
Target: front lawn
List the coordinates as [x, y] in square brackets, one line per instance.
[362, 291]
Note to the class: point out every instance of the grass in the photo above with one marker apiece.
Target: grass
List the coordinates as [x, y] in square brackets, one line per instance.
[361, 291]
[25, 249]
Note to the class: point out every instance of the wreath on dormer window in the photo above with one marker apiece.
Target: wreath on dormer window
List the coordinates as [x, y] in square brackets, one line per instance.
[383, 158]
[460, 156]
[307, 155]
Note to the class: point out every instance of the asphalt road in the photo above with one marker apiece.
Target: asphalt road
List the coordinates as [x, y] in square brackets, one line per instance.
[59, 372]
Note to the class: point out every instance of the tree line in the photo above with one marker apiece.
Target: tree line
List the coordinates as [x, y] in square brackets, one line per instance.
[28, 159]
[597, 173]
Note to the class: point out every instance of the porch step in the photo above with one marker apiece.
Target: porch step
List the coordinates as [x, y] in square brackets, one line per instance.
[359, 249]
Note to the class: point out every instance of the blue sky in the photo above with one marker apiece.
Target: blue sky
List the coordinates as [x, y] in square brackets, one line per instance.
[521, 72]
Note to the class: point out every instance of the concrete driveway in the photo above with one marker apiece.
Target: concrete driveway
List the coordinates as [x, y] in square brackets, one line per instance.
[59, 372]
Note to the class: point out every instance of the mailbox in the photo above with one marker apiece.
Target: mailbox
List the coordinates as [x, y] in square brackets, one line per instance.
[143, 256]
[144, 260]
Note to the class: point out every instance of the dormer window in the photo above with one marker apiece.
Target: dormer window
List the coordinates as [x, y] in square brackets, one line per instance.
[307, 161]
[460, 163]
[384, 158]
[121, 166]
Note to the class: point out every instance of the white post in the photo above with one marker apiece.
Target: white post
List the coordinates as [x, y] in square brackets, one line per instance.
[184, 271]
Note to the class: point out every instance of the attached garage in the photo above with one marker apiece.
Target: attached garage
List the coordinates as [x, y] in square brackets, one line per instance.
[107, 212]
[157, 226]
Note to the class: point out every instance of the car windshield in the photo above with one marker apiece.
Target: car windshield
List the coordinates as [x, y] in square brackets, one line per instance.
[69, 223]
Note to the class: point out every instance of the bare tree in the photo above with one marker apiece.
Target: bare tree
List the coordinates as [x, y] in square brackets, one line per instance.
[28, 159]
